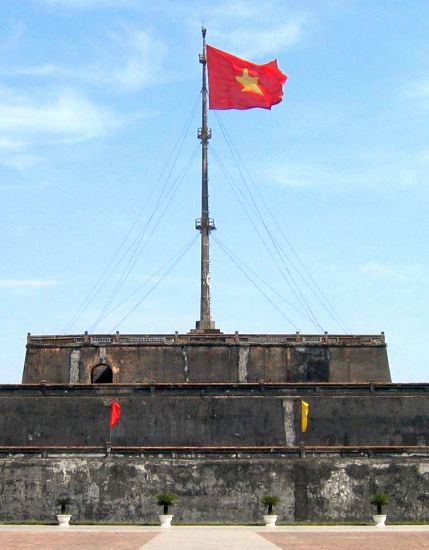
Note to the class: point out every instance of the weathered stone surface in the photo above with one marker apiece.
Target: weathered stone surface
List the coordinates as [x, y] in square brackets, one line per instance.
[225, 489]
[222, 415]
[235, 399]
[207, 358]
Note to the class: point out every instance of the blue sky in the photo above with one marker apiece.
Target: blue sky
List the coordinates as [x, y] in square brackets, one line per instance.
[98, 154]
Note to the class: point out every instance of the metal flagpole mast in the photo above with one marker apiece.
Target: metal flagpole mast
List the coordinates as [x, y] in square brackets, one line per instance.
[110, 424]
[204, 224]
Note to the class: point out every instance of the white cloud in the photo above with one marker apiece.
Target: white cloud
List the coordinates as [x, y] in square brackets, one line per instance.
[385, 167]
[68, 116]
[420, 89]
[259, 43]
[90, 4]
[382, 270]
[138, 62]
[37, 70]
[238, 9]
[27, 123]
[293, 174]
[248, 28]
[11, 145]
[127, 60]
[417, 94]
[379, 269]
[27, 283]
[18, 161]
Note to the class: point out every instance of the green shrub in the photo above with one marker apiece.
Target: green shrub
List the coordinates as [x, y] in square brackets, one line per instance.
[166, 500]
[269, 501]
[63, 502]
[379, 500]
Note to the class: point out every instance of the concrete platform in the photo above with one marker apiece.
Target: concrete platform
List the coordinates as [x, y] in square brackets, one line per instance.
[213, 538]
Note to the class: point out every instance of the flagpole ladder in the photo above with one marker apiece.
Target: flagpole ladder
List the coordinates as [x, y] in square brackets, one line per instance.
[204, 224]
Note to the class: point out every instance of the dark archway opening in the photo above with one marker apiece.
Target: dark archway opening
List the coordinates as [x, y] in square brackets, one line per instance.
[102, 374]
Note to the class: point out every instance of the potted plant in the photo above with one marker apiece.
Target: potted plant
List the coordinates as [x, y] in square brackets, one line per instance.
[165, 500]
[63, 517]
[269, 501]
[379, 500]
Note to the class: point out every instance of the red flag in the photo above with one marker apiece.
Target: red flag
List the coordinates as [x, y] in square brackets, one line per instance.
[235, 83]
[115, 413]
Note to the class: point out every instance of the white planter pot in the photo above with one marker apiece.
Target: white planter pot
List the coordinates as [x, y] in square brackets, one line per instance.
[165, 520]
[63, 520]
[270, 520]
[379, 520]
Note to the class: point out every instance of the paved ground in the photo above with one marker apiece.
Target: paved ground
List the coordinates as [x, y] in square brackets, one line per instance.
[213, 538]
[349, 541]
[72, 540]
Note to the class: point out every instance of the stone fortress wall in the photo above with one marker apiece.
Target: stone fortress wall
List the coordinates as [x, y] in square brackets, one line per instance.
[215, 419]
[213, 487]
[219, 447]
[202, 415]
[207, 358]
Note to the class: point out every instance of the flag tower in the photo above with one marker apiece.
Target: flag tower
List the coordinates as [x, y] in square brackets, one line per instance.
[205, 224]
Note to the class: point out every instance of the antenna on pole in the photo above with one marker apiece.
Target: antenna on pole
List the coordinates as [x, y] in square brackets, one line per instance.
[204, 224]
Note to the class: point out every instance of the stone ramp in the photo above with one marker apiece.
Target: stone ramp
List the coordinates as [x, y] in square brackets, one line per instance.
[217, 538]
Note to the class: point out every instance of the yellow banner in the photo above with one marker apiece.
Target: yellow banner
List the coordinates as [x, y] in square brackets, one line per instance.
[305, 410]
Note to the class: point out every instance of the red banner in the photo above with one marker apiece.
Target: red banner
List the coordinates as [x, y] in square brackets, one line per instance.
[235, 83]
[115, 413]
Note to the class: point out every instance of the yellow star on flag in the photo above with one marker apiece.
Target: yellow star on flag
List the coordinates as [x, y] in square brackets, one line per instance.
[249, 83]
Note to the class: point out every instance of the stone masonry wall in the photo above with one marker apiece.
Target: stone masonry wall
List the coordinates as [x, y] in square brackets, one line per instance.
[212, 489]
[207, 363]
[220, 416]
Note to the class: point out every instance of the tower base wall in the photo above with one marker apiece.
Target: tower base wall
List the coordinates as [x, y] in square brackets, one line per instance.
[229, 415]
[223, 489]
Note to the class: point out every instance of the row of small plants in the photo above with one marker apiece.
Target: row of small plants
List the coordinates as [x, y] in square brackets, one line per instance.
[168, 499]
[269, 501]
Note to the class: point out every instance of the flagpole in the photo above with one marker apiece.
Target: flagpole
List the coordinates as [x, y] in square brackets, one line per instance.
[204, 224]
[110, 422]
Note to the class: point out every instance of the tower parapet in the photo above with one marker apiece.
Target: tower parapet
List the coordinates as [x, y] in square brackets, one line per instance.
[209, 357]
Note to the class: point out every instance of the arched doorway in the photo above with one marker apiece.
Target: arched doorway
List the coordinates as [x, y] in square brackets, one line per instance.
[102, 374]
